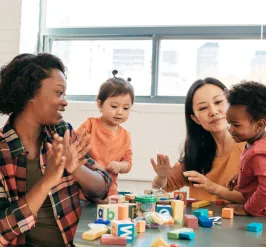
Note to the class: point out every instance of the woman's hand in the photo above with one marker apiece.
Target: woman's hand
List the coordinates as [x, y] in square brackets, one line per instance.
[201, 181]
[238, 209]
[75, 152]
[113, 167]
[56, 161]
[162, 167]
[232, 182]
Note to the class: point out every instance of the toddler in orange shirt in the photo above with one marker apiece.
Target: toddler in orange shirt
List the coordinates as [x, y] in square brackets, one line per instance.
[111, 143]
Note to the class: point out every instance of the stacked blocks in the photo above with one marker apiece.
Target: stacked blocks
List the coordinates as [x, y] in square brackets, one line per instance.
[191, 221]
[228, 213]
[254, 227]
[123, 228]
[174, 234]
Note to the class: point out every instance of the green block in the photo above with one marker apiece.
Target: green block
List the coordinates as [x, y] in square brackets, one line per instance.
[132, 211]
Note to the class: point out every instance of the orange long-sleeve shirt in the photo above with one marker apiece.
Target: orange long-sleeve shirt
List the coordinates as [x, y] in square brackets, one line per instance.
[223, 168]
[108, 146]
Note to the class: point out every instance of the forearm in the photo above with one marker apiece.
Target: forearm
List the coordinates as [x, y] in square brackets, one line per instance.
[124, 166]
[159, 182]
[232, 196]
[91, 182]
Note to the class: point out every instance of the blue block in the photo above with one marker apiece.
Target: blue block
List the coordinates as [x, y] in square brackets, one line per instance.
[254, 227]
[123, 192]
[164, 209]
[101, 221]
[126, 230]
[187, 235]
[204, 221]
[201, 212]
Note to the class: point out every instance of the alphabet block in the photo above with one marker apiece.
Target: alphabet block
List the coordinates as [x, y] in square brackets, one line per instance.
[164, 209]
[123, 228]
[107, 212]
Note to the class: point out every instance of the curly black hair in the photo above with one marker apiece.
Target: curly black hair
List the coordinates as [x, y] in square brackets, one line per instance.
[250, 94]
[21, 78]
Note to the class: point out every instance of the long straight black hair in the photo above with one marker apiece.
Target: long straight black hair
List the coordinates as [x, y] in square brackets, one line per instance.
[200, 148]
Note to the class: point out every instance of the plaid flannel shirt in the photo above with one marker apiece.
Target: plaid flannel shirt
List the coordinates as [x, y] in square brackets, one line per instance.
[15, 215]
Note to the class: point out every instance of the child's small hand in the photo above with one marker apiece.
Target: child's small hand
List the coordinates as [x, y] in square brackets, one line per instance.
[113, 167]
[238, 209]
[232, 182]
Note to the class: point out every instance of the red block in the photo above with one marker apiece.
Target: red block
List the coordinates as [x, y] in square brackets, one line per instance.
[109, 239]
[191, 221]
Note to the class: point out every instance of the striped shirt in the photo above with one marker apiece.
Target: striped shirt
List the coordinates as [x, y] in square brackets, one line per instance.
[15, 215]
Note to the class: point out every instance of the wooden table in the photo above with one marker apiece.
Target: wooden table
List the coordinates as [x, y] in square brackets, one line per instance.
[231, 233]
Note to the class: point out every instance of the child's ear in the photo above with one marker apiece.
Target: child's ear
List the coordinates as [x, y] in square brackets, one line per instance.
[195, 119]
[99, 105]
[261, 125]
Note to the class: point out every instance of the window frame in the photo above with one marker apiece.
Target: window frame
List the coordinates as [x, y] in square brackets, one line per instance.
[155, 33]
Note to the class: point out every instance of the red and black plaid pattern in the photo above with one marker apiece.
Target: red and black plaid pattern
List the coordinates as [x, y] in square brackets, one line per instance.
[15, 215]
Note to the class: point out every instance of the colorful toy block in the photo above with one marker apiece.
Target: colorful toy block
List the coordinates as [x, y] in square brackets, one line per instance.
[122, 212]
[123, 228]
[116, 199]
[177, 210]
[210, 213]
[191, 221]
[129, 197]
[200, 212]
[132, 213]
[204, 221]
[227, 213]
[174, 234]
[107, 211]
[101, 221]
[123, 192]
[254, 227]
[109, 239]
[187, 235]
[200, 204]
[164, 209]
[94, 233]
[159, 242]
[141, 226]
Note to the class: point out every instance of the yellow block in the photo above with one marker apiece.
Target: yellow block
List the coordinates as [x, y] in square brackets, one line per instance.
[159, 242]
[178, 210]
[94, 233]
[200, 204]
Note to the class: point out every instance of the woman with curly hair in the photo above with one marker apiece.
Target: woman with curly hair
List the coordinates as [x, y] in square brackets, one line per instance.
[43, 164]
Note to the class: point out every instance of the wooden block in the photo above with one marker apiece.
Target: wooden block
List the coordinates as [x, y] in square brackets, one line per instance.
[116, 199]
[129, 197]
[204, 221]
[141, 226]
[191, 221]
[254, 227]
[187, 235]
[210, 213]
[123, 228]
[174, 234]
[164, 209]
[132, 213]
[227, 213]
[107, 211]
[200, 212]
[122, 212]
[159, 242]
[178, 210]
[94, 233]
[200, 204]
[123, 192]
[109, 239]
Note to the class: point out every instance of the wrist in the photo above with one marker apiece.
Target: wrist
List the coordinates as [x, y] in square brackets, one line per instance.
[216, 189]
[46, 184]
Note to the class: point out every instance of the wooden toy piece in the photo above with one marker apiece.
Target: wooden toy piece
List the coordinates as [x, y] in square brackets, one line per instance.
[174, 234]
[94, 233]
[123, 228]
[132, 213]
[254, 227]
[187, 235]
[96, 225]
[101, 221]
[122, 212]
[204, 221]
[200, 212]
[129, 197]
[181, 195]
[178, 210]
[159, 242]
[200, 204]
[107, 211]
[141, 226]
[123, 192]
[191, 221]
[227, 213]
[210, 213]
[164, 202]
[164, 209]
[109, 239]
[116, 199]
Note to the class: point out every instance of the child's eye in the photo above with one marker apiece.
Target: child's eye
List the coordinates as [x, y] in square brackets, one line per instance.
[60, 93]
[114, 106]
[126, 109]
[218, 102]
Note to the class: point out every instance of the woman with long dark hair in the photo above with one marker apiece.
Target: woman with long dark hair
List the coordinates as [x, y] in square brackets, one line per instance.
[209, 148]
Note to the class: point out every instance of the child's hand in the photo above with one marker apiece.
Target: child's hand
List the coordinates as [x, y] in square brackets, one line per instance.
[113, 167]
[232, 182]
[238, 209]
[201, 181]
[162, 167]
